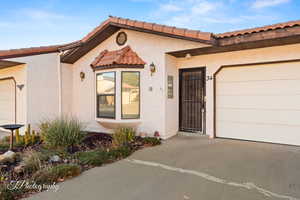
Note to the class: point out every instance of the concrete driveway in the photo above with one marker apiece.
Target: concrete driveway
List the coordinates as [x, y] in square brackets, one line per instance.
[192, 168]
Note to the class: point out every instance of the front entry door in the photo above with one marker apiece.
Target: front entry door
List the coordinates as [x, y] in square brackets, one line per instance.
[192, 92]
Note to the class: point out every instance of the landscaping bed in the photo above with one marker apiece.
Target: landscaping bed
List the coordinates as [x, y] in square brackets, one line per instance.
[61, 151]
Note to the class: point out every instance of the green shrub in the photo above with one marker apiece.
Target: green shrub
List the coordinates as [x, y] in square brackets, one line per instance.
[47, 153]
[4, 147]
[152, 141]
[62, 132]
[32, 161]
[10, 194]
[65, 170]
[120, 152]
[94, 158]
[5, 193]
[5, 141]
[53, 174]
[123, 136]
[99, 157]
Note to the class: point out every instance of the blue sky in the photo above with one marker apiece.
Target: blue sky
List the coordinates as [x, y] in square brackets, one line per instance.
[26, 23]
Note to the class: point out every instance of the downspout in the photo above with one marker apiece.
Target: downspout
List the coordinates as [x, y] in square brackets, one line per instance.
[15, 83]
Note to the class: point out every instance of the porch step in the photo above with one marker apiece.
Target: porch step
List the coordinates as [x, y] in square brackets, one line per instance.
[191, 134]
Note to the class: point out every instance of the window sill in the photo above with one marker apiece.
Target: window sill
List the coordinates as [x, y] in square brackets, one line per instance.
[118, 123]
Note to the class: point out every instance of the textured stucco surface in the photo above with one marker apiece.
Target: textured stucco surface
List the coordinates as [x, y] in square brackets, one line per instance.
[213, 62]
[19, 74]
[42, 87]
[150, 48]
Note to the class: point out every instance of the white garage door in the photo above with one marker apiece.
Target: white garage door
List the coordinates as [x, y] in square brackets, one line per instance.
[7, 101]
[259, 103]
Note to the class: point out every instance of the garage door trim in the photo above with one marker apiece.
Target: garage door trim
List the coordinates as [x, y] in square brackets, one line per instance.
[236, 65]
[15, 93]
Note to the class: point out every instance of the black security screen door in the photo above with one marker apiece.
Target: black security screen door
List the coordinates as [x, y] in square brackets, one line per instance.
[192, 92]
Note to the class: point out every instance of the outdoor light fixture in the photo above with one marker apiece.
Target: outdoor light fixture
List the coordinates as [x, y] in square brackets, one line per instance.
[82, 76]
[20, 86]
[188, 56]
[152, 68]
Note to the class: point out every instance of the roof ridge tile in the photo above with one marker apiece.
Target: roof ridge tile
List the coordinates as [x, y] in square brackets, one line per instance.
[259, 29]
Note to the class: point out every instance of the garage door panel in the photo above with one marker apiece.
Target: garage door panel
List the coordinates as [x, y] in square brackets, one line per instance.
[7, 102]
[290, 102]
[259, 103]
[280, 117]
[263, 72]
[259, 132]
[283, 87]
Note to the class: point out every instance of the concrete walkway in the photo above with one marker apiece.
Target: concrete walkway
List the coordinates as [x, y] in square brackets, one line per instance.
[192, 168]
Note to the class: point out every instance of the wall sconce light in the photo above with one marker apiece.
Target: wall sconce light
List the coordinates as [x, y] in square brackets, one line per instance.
[20, 86]
[188, 56]
[82, 76]
[152, 68]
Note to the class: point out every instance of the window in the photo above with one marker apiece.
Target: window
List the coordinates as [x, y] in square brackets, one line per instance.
[130, 95]
[106, 95]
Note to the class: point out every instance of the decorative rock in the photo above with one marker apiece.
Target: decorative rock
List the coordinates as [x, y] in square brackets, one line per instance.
[9, 153]
[18, 169]
[55, 158]
[8, 157]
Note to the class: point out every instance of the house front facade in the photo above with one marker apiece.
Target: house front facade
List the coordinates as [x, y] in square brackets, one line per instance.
[126, 73]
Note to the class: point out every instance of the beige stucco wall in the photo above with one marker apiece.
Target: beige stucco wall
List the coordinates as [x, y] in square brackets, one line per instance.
[53, 88]
[213, 61]
[172, 105]
[151, 48]
[42, 87]
[66, 89]
[19, 74]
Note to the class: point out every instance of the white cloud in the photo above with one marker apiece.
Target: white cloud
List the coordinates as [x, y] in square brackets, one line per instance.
[267, 3]
[42, 14]
[211, 15]
[204, 7]
[188, 13]
[170, 7]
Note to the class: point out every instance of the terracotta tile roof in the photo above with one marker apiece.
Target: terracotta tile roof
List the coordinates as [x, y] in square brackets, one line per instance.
[77, 49]
[185, 33]
[258, 29]
[123, 57]
[13, 53]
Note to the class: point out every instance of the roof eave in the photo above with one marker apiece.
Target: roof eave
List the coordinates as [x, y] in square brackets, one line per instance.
[8, 63]
[122, 66]
[270, 38]
[71, 57]
[32, 51]
[210, 41]
[27, 54]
